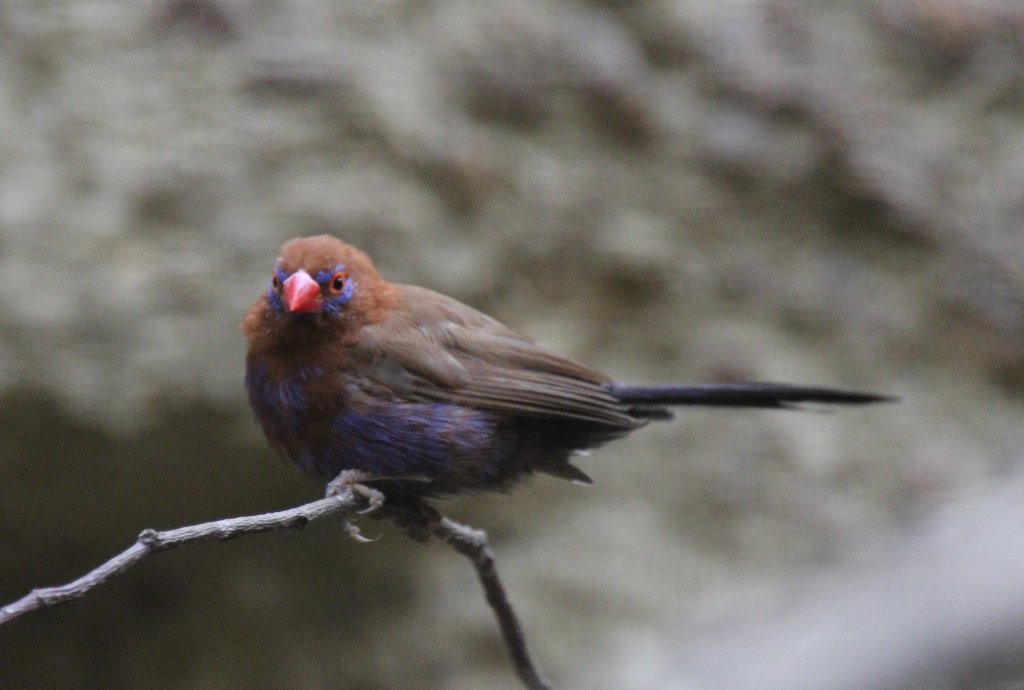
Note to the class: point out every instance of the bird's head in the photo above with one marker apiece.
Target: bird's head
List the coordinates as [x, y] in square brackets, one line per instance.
[318, 282]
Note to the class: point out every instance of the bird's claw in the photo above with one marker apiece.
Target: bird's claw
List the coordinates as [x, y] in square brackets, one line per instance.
[355, 533]
[348, 479]
[374, 498]
[352, 480]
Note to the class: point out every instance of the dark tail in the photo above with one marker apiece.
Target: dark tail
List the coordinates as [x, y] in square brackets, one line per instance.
[652, 401]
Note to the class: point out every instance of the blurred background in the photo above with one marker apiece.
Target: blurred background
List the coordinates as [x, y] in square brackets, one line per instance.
[814, 192]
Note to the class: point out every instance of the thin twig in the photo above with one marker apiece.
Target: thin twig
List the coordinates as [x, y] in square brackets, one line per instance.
[421, 522]
[150, 542]
[472, 543]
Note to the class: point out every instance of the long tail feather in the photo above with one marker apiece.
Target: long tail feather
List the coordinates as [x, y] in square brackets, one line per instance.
[764, 395]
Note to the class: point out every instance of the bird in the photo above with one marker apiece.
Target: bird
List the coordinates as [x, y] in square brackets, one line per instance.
[426, 397]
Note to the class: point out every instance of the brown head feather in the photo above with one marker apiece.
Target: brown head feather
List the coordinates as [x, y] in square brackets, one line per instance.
[371, 299]
[323, 252]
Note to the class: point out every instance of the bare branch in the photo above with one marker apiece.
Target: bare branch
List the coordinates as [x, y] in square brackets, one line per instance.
[345, 495]
[472, 543]
[422, 523]
[150, 542]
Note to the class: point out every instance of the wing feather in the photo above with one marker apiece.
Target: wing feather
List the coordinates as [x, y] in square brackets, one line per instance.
[433, 348]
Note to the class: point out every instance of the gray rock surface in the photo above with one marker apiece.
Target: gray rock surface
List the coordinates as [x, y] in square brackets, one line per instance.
[819, 192]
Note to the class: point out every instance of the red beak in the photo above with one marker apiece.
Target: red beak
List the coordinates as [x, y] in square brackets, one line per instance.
[301, 293]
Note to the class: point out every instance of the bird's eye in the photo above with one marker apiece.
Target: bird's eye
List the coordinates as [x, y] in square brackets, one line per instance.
[275, 283]
[337, 283]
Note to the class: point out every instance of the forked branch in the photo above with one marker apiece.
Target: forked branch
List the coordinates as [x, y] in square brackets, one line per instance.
[344, 498]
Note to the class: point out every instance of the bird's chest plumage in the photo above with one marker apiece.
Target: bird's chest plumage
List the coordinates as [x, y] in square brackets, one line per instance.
[296, 405]
[281, 400]
[326, 422]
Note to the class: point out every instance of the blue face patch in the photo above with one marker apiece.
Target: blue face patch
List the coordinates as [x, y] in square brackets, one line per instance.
[273, 296]
[333, 304]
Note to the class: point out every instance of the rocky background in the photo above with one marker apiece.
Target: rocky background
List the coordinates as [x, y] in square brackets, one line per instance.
[816, 192]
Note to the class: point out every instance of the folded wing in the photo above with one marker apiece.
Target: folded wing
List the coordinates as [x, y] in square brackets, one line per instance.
[433, 348]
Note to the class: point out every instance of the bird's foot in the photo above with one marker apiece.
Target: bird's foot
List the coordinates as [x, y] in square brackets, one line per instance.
[354, 481]
[345, 480]
[419, 520]
[355, 533]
